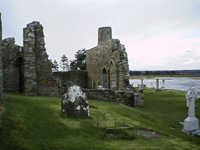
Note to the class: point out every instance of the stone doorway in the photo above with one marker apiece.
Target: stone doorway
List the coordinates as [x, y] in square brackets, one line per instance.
[105, 78]
[113, 82]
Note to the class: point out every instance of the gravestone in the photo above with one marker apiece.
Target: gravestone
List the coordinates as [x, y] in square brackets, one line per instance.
[163, 83]
[142, 86]
[157, 84]
[191, 123]
[74, 102]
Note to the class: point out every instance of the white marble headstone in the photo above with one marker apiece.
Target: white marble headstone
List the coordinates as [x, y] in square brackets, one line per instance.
[191, 123]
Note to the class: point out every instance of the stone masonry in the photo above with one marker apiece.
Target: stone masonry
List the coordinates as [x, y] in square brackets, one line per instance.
[66, 79]
[107, 63]
[1, 64]
[12, 65]
[128, 97]
[38, 78]
[27, 69]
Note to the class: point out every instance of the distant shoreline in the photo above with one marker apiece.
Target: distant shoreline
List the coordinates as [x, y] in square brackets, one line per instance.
[153, 76]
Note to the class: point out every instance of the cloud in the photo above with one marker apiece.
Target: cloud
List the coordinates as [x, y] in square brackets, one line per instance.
[153, 31]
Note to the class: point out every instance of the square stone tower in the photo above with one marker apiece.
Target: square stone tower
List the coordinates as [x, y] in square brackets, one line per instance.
[107, 63]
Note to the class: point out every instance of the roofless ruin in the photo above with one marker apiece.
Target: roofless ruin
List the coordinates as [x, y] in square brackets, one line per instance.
[27, 68]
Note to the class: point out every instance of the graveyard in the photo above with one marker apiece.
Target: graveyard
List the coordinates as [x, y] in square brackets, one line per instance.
[95, 101]
[37, 123]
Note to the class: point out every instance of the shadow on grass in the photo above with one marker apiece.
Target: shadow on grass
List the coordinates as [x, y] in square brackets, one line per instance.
[36, 123]
[32, 123]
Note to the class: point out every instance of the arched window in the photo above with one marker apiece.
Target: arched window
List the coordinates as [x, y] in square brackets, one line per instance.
[105, 78]
[113, 74]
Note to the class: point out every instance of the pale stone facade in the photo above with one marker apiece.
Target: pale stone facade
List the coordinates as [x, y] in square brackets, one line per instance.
[107, 63]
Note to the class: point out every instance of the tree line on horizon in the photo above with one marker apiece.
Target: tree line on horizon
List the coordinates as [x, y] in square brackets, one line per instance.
[79, 63]
[65, 65]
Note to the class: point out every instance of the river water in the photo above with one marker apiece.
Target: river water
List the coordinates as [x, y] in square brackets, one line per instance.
[176, 83]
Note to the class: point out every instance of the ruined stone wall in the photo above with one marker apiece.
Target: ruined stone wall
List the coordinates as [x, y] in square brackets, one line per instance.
[1, 64]
[130, 98]
[71, 77]
[11, 65]
[107, 63]
[37, 67]
[30, 76]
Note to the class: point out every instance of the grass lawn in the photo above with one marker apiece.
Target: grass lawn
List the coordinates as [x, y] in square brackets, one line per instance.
[36, 123]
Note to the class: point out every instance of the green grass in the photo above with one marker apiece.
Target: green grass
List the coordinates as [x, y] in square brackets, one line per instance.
[36, 123]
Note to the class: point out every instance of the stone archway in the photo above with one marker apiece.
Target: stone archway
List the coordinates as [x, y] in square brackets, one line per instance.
[105, 78]
[113, 74]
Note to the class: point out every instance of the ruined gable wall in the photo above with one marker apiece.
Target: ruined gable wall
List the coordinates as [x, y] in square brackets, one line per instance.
[11, 66]
[37, 67]
[121, 59]
[30, 76]
[97, 59]
[111, 55]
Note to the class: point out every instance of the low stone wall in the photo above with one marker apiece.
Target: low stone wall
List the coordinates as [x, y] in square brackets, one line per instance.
[131, 98]
[70, 78]
[76, 77]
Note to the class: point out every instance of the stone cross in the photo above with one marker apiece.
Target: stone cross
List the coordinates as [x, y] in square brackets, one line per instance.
[142, 81]
[191, 123]
[163, 83]
[157, 84]
[142, 84]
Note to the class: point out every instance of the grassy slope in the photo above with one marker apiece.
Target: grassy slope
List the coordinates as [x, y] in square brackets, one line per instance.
[35, 123]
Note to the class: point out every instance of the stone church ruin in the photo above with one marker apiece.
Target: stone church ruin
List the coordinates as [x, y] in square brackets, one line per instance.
[108, 71]
[107, 63]
[28, 70]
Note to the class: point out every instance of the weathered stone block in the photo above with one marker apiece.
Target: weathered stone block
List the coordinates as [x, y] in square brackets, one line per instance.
[74, 103]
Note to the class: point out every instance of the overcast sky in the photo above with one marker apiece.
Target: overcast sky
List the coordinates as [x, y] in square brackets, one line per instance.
[158, 34]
